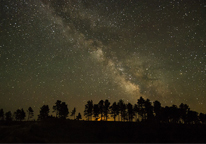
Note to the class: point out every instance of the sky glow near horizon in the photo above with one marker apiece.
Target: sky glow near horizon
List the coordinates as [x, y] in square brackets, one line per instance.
[75, 51]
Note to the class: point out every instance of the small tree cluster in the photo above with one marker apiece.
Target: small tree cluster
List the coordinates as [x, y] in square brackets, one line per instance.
[61, 110]
[19, 115]
[44, 112]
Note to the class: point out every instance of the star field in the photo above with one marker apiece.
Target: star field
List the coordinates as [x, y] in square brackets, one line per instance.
[76, 51]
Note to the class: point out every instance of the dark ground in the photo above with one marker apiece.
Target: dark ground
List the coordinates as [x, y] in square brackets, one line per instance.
[87, 132]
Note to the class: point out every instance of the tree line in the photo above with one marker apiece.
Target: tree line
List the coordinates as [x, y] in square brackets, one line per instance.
[18, 115]
[144, 110]
[60, 108]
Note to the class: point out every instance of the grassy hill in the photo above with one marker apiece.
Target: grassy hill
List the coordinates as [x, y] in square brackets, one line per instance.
[69, 131]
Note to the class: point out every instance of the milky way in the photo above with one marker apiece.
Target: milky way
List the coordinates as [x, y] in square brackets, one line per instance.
[76, 51]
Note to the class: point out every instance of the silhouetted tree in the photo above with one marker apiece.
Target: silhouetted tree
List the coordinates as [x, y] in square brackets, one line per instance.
[117, 111]
[96, 111]
[79, 116]
[136, 111]
[56, 107]
[44, 112]
[1, 114]
[141, 107]
[149, 110]
[88, 109]
[101, 108]
[157, 110]
[124, 113]
[63, 111]
[23, 114]
[174, 114]
[130, 111]
[121, 106]
[30, 113]
[73, 112]
[106, 108]
[114, 110]
[184, 108]
[19, 114]
[8, 116]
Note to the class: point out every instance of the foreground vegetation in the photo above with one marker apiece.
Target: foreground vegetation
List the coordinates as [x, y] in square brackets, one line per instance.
[142, 122]
[143, 110]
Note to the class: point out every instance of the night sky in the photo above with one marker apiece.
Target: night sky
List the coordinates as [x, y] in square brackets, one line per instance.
[80, 50]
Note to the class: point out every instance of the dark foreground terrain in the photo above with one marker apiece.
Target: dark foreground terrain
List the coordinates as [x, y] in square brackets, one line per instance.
[86, 131]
